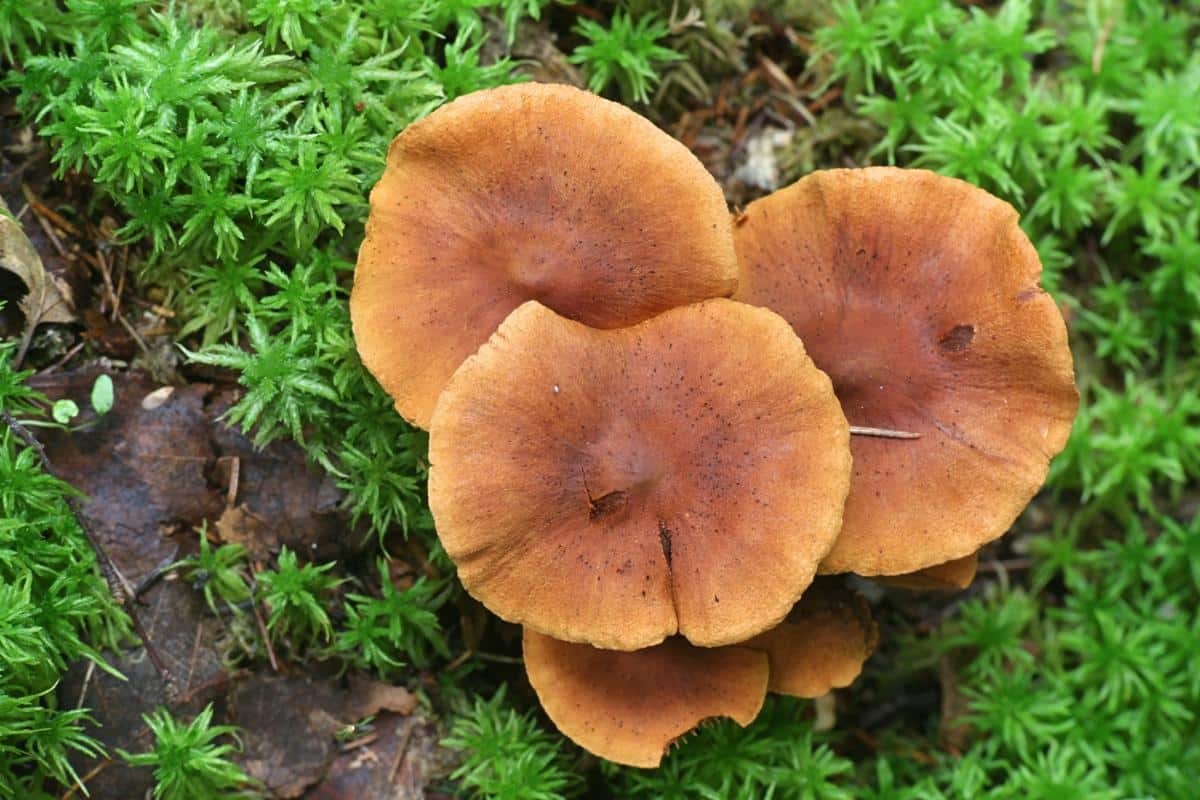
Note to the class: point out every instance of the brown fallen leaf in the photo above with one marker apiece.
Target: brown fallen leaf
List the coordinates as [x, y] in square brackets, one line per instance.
[370, 697]
[290, 725]
[158, 465]
[535, 51]
[185, 635]
[283, 499]
[47, 299]
[402, 762]
[237, 525]
[143, 470]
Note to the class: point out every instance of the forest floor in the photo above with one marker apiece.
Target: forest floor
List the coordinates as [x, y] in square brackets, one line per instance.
[165, 466]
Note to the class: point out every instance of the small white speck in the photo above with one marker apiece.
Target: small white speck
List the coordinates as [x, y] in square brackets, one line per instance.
[556, 389]
[157, 397]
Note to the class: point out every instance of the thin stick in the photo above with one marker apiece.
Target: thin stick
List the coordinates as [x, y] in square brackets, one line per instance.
[93, 772]
[23, 347]
[883, 433]
[119, 589]
[87, 679]
[460, 660]
[499, 659]
[220, 680]
[262, 628]
[266, 637]
[235, 468]
[106, 274]
[96, 770]
[162, 311]
[362, 741]
[124, 269]
[1101, 41]
[401, 752]
[54, 240]
[137, 337]
[46, 211]
[74, 351]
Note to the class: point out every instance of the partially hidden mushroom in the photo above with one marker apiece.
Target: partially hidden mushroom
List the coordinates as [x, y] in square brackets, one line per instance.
[949, 576]
[684, 475]
[527, 192]
[919, 295]
[821, 645]
[629, 707]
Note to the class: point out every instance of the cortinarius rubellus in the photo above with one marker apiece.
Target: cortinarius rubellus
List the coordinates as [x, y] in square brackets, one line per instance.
[684, 475]
[648, 478]
[527, 192]
[919, 295]
[630, 707]
[821, 645]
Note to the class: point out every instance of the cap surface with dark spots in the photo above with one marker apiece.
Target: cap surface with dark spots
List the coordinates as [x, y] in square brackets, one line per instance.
[527, 192]
[684, 475]
[919, 295]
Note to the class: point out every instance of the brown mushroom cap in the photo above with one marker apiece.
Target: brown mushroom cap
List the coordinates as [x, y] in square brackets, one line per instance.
[615, 487]
[527, 192]
[919, 295]
[821, 645]
[950, 576]
[630, 707]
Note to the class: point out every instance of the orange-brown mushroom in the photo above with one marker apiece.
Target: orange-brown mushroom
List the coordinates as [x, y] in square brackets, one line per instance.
[949, 576]
[615, 487]
[821, 645]
[919, 295]
[527, 192]
[630, 707]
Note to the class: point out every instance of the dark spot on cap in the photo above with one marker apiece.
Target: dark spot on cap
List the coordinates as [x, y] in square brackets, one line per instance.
[957, 338]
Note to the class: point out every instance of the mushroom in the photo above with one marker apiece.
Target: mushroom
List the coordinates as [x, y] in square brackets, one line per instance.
[919, 295]
[949, 576]
[616, 487]
[821, 645]
[527, 192]
[630, 707]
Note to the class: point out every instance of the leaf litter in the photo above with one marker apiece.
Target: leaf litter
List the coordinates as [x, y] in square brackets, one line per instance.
[46, 299]
[155, 468]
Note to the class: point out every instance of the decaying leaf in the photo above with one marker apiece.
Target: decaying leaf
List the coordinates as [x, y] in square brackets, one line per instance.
[48, 299]
[289, 726]
[237, 525]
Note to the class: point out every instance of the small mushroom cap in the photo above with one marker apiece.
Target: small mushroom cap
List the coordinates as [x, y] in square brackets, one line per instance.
[919, 295]
[616, 487]
[951, 576]
[527, 192]
[821, 645]
[629, 707]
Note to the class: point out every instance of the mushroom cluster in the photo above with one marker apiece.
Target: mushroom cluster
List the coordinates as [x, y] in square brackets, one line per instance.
[638, 405]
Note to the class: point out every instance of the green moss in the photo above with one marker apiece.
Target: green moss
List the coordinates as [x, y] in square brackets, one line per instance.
[241, 139]
[508, 755]
[188, 761]
[55, 608]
